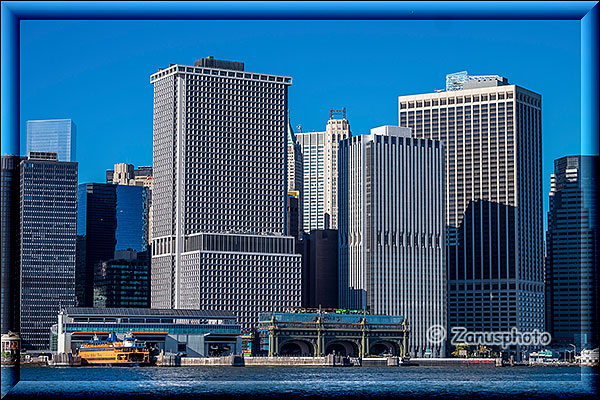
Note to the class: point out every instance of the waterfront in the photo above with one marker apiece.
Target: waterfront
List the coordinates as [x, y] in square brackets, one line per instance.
[304, 382]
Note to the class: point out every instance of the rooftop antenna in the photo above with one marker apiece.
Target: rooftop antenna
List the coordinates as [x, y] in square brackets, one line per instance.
[299, 128]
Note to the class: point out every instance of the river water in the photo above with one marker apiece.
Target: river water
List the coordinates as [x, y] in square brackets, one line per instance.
[305, 382]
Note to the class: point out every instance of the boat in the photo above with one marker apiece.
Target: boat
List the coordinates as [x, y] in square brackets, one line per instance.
[113, 351]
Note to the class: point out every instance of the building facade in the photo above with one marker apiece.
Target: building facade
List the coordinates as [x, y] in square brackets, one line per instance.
[492, 132]
[48, 229]
[293, 212]
[316, 333]
[192, 333]
[392, 230]
[52, 135]
[320, 172]
[295, 173]
[127, 174]
[320, 269]
[9, 232]
[110, 219]
[572, 252]
[220, 168]
[122, 282]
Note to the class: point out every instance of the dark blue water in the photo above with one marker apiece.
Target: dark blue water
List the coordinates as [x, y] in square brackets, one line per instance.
[305, 382]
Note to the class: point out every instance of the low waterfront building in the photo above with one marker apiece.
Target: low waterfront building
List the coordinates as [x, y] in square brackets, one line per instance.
[193, 333]
[309, 332]
[588, 356]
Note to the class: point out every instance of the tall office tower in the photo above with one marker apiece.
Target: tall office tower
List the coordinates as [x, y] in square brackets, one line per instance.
[295, 173]
[320, 269]
[572, 252]
[127, 174]
[319, 153]
[122, 283]
[292, 212]
[493, 136]
[110, 219]
[392, 230]
[48, 231]
[220, 191]
[52, 135]
[9, 232]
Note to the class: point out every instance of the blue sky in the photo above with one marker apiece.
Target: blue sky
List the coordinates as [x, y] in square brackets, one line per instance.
[97, 73]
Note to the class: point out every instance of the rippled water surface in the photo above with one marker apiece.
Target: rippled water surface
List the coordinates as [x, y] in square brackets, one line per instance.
[288, 382]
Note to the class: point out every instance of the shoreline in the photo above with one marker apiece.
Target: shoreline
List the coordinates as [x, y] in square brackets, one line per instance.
[327, 361]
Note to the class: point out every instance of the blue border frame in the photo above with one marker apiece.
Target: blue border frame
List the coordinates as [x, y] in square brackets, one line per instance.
[12, 12]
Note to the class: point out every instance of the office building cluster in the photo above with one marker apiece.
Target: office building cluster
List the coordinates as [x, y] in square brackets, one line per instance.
[437, 220]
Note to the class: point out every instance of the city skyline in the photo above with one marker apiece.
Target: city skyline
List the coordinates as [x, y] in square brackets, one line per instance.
[322, 80]
[470, 210]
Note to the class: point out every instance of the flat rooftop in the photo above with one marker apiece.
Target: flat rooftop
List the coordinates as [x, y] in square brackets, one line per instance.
[145, 312]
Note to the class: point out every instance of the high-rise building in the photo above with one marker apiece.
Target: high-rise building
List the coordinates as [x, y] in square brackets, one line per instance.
[52, 135]
[392, 230]
[9, 230]
[111, 218]
[572, 252]
[320, 172]
[48, 228]
[220, 187]
[293, 210]
[127, 174]
[492, 135]
[122, 283]
[320, 269]
[295, 173]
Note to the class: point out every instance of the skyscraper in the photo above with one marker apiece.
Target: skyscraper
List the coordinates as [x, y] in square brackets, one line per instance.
[295, 172]
[122, 283]
[572, 252]
[111, 218]
[492, 135]
[9, 228]
[48, 215]
[320, 269]
[52, 135]
[392, 230]
[319, 153]
[220, 191]
[127, 174]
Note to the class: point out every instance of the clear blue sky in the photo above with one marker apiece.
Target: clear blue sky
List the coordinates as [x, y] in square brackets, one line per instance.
[97, 73]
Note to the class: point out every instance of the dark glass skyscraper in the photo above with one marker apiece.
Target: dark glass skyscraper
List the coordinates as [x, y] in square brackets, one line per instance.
[122, 283]
[9, 228]
[111, 219]
[48, 222]
[572, 252]
[96, 226]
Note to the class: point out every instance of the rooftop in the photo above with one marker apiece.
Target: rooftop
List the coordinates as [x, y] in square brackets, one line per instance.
[145, 312]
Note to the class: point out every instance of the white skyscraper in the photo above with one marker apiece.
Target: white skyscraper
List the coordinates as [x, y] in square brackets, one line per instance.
[492, 132]
[392, 230]
[319, 153]
[219, 191]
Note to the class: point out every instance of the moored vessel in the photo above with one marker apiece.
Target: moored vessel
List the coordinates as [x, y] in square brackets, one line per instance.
[113, 351]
